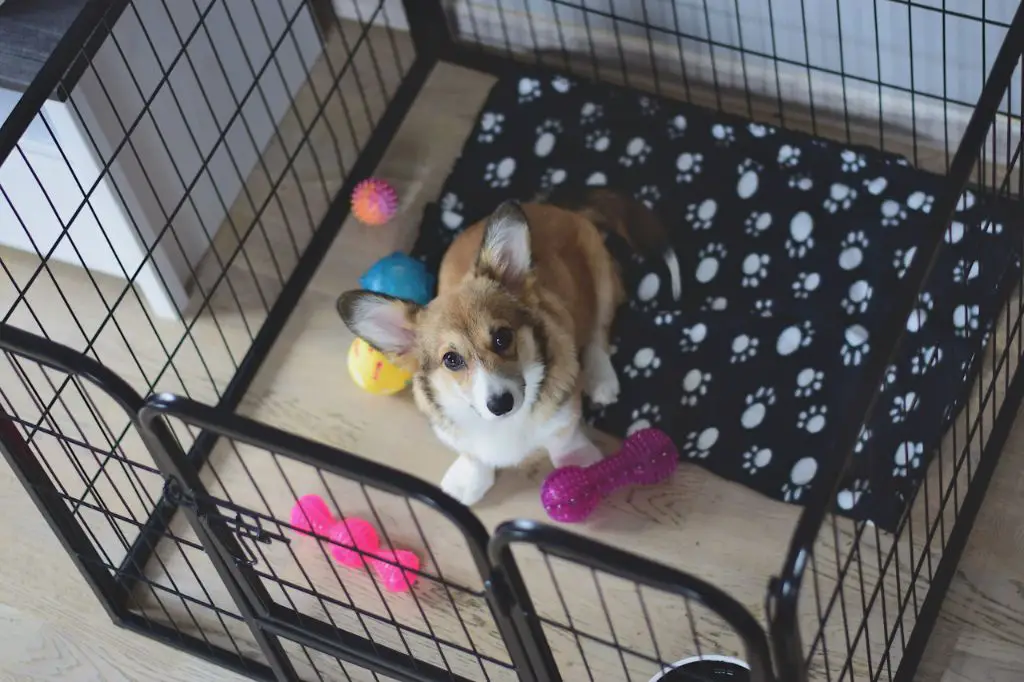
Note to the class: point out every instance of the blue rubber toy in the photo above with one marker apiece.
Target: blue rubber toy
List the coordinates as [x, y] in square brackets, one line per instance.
[401, 276]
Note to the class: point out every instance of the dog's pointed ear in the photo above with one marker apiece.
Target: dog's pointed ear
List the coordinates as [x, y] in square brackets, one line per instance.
[505, 254]
[385, 322]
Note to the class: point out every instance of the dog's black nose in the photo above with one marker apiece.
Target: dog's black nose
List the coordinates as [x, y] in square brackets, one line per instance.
[501, 404]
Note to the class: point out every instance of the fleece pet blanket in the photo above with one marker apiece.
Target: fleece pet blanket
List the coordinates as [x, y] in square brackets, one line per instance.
[792, 247]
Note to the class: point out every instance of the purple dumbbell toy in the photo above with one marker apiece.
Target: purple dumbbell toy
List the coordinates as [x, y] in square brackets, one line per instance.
[571, 494]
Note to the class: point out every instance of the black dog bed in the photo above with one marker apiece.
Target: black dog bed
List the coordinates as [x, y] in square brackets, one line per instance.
[793, 247]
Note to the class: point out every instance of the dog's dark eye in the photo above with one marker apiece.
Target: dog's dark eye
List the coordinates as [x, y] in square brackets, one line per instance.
[502, 339]
[453, 360]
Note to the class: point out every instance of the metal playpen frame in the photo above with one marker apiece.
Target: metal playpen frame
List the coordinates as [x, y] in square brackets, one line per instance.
[160, 448]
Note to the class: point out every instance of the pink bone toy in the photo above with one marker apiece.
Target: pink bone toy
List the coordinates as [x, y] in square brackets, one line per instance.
[570, 494]
[311, 514]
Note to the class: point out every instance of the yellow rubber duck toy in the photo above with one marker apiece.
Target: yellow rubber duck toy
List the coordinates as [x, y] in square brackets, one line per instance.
[373, 372]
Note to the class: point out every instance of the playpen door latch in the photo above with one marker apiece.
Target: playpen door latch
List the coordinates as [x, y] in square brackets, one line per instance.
[245, 524]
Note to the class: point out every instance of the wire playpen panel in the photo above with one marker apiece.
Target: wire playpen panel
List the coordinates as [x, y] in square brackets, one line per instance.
[159, 234]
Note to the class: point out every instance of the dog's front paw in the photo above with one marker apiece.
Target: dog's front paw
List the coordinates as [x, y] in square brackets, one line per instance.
[600, 382]
[467, 480]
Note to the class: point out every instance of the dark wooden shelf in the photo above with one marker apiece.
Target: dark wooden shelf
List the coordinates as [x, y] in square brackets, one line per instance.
[30, 31]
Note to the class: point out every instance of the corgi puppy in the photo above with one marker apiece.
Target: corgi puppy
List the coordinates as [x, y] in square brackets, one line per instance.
[518, 332]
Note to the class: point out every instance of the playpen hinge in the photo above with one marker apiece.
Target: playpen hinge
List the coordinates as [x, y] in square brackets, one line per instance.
[245, 525]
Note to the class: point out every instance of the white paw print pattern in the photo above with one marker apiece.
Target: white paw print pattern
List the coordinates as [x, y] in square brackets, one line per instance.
[852, 253]
[955, 232]
[852, 162]
[876, 186]
[648, 105]
[763, 307]
[491, 125]
[451, 211]
[800, 478]
[892, 213]
[667, 317]
[989, 227]
[788, 156]
[702, 215]
[812, 420]
[857, 298]
[755, 269]
[794, 337]
[925, 359]
[714, 303]
[808, 382]
[644, 364]
[801, 182]
[499, 173]
[890, 377]
[598, 140]
[693, 337]
[636, 152]
[965, 319]
[749, 180]
[552, 177]
[757, 404]
[689, 166]
[647, 289]
[709, 260]
[597, 179]
[547, 136]
[965, 271]
[759, 130]
[920, 201]
[966, 201]
[756, 223]
[907, 458]
[529, 90]
[856, 345]
[902, 406]
[724, 134]
[756, 458]
[590, 112]
[695, 386]
[902, 260]
[919, 315]
[805, 283]
[847, 498]
[801, 235]
[744, 348]
[698, 444]
[644, 417]
[649, 195]
[840, 197]
[677, 127]
[862, 440]
[561, 84]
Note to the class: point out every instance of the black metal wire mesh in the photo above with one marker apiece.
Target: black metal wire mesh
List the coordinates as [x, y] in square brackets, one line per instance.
[442, 628]
[604, 614]
[166, 227]
[187, 174]
[869, 598]
[900, 76]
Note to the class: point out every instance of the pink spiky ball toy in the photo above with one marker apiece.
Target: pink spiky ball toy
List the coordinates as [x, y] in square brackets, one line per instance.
[570, 494]
[374, 201]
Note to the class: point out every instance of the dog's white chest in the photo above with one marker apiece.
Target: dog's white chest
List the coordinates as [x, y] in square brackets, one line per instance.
[505, 442]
